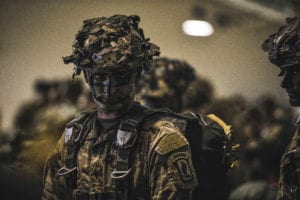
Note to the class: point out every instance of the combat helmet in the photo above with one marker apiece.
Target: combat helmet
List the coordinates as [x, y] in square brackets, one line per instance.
[111, 42]
[165, 84]
[284, 46]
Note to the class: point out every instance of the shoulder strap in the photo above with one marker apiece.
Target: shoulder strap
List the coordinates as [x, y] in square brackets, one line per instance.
[75, 133]
[127, 136]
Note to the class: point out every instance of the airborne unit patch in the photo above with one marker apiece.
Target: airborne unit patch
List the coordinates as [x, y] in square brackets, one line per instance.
[183, 164]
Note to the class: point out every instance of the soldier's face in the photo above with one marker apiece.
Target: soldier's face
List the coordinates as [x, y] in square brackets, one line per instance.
[291, 82]
[113, 89]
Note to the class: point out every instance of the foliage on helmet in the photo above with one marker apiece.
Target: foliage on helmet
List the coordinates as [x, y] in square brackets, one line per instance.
[111, 41]
[284, 46]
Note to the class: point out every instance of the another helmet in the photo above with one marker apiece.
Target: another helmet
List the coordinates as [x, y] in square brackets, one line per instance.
[199, 93]
[284, 46]
[166, 83]
[108, 42]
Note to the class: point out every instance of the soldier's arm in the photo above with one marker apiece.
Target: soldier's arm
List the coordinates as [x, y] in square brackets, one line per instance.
[172, 175]
[54, 186]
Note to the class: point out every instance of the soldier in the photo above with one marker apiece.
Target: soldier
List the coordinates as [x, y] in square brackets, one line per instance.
[26, 117]
[284, 52]
[165, 85]
[102, 153]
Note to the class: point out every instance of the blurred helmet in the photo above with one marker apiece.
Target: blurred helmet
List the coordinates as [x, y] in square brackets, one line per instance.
[199, 93]
[284, 46]
[166, 83]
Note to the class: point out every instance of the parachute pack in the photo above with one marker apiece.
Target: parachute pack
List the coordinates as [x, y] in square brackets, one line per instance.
[210, 139]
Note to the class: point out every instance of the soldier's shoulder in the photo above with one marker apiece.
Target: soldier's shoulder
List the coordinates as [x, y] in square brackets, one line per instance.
[167, 133]
[164, 121]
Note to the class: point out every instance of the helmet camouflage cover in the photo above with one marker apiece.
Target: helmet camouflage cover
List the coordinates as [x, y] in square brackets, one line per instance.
[176, 74]
[108, 42]
[168, 80]
[284, 46]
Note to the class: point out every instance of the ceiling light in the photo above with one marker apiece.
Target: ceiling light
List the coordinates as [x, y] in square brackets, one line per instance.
[198, 28]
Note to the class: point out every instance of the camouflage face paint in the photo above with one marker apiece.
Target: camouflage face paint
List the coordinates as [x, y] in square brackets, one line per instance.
[113, 90]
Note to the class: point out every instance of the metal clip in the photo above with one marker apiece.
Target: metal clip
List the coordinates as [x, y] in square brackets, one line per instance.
[64, 171]
[120, 174]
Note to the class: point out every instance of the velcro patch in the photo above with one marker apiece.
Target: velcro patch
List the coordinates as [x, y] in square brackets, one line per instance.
[170, 142]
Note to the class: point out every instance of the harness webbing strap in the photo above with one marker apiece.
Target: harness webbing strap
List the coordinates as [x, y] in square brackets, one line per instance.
[70, 150]
[126, 138]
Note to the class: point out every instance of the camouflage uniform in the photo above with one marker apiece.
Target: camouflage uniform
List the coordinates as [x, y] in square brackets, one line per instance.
[98, 156]
[161, 166]
[289, 169]
[283, 47]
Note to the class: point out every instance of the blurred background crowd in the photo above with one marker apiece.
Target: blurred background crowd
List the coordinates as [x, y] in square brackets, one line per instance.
[229, 76]
[262, 127]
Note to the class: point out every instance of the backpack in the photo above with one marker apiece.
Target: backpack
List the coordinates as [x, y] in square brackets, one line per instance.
[209, 137]
[213, 153]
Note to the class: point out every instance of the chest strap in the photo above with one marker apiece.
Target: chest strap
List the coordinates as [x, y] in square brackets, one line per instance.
[76, 132]
[127, 136]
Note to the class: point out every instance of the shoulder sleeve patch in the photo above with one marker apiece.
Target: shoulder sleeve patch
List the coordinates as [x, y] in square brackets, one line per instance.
[170, 142]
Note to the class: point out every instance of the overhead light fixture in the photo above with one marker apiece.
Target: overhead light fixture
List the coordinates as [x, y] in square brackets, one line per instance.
[198, 28]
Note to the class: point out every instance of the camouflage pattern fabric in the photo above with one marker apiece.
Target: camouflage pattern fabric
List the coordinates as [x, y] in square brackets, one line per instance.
[290, 164]
[283, 46]
[111, 41]
[165, 84]
[161, 166]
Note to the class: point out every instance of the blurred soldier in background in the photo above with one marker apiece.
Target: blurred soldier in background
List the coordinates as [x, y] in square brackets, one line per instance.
[284, 51]
[37, 126]
[173, 83]
[198, 95]
[26, 117]
[165, 84]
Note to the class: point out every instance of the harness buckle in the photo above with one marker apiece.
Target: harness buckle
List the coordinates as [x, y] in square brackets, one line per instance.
[64, 171]
[120, 174]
